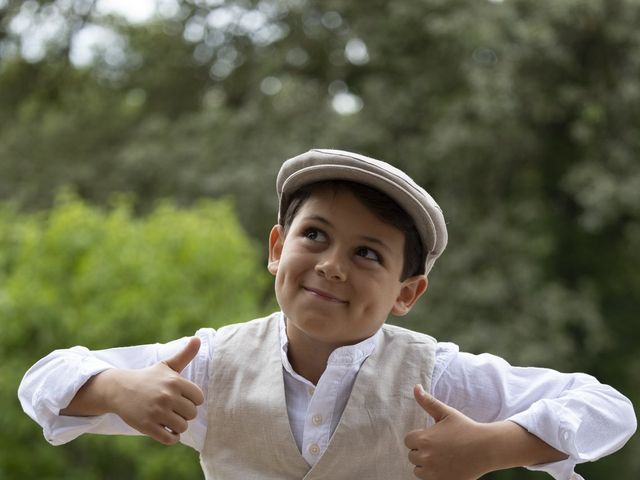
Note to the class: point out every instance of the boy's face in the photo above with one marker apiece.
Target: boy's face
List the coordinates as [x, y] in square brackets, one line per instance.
[337, 271]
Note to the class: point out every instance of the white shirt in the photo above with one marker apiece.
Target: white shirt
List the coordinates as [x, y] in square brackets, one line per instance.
[574, 413]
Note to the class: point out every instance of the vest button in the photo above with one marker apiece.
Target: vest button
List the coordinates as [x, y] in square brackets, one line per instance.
[316, 419]
[314, 449]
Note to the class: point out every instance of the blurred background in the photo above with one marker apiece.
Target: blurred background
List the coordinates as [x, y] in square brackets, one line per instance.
[139, 144]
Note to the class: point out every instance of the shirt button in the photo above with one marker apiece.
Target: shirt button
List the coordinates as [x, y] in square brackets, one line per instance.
[311, 390]
[316, 419]
[314, 449]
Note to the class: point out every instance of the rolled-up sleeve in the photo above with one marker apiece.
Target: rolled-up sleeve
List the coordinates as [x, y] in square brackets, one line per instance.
[574, 413]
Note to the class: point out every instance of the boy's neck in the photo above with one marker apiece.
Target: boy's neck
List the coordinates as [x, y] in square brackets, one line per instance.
[309, 361]
[309, 356]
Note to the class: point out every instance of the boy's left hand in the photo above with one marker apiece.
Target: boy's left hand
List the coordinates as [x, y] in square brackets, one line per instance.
[455, 448]
[459, 448]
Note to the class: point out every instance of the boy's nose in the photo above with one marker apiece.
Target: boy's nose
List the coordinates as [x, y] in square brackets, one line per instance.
[332, 269]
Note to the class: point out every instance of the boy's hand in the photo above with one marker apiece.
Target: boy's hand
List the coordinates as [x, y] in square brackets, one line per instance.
[156, 400]
[453, 449]
[459, 448]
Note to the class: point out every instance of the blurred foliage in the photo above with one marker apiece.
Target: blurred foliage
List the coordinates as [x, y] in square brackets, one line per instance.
[521, 118]
[102, 278]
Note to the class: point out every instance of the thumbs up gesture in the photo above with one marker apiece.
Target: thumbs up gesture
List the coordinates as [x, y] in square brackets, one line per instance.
[455, 448]
[459, 448]
[156, 400]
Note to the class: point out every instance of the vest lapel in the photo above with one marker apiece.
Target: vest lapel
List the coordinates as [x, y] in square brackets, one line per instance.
[249, 434]
[278, 424]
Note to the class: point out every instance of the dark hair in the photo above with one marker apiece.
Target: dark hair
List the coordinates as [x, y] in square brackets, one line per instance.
[381, 205]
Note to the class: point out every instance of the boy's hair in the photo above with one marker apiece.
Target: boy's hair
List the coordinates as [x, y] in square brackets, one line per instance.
[380, 205]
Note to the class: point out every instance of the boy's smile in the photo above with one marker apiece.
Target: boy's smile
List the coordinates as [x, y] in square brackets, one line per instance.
[338, 271]
[324, 295]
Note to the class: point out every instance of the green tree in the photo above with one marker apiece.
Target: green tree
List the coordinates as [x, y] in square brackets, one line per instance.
[103, 278]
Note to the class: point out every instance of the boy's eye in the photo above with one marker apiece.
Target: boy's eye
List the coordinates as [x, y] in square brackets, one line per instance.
[367, 253]
[315, 235]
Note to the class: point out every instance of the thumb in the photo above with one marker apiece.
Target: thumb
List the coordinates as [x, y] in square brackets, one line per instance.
[180, 360]
[430, 404]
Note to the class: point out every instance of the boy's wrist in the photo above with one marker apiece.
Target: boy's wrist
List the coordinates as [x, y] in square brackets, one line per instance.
[95, 397]
[510, 445]
[106, 391]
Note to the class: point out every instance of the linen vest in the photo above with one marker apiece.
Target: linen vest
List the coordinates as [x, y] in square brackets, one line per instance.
[249, 436]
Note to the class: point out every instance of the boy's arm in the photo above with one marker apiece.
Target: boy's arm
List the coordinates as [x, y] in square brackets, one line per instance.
[459, 448]
[155, 401]
[49, 387]
[573, 413]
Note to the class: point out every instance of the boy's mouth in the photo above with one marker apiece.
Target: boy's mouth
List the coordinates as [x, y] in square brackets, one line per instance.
[323, 295]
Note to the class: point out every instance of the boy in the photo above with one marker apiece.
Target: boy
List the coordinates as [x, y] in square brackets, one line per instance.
[324, 388]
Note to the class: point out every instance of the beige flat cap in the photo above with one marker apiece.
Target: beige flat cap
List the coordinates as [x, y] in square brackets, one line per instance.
[320, 165]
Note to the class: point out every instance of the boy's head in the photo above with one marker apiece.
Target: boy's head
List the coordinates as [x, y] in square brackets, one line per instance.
[354, 241]
[412, 209]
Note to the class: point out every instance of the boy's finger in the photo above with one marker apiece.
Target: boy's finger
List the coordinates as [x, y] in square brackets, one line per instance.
[164, 435]
[430, 404]
[180, 360]
[192, 392]
[175, 423]
[185, 408]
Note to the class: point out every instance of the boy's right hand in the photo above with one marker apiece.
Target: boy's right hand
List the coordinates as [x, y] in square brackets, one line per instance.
[156, 400]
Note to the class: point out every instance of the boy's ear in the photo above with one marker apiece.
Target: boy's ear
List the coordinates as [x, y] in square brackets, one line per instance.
[411, 290]
[276, 241]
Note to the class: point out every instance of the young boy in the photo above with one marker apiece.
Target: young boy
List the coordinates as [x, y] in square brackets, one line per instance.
[324, 388]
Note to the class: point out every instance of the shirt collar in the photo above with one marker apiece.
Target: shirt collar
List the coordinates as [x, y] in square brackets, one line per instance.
[343, 356]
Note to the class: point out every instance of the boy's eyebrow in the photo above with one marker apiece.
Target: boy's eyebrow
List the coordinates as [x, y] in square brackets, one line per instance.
[374, 240]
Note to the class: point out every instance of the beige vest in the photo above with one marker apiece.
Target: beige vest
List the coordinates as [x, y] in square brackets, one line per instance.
[249, 436]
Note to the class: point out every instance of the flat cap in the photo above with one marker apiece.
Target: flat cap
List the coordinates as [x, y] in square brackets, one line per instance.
[321, 165]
